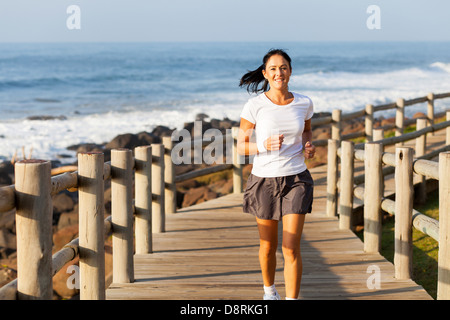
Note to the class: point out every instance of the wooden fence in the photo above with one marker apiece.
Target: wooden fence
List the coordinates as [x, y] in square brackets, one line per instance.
[154, 197]
[371, 192]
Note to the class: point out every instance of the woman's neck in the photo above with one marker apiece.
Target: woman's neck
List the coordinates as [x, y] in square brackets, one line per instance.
[281, 97]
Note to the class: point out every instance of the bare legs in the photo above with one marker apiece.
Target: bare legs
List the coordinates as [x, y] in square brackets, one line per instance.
[292, 232]
[268, 242]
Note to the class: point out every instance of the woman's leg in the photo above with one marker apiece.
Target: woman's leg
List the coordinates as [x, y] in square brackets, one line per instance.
[292, 232]
[268, 242]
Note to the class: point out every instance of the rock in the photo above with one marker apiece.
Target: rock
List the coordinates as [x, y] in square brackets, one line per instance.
[222, 187]
[127, 140]
[67, 219]
[6, 173]
[7, 239]
[62, 203]
[162, 131]
[62, 285]
[64, 236]
[420, 115]
[321, 114]
[189, 126]
[388, 121]
[86, 147]
[145, 138]
[33, 118]
[201, 116]
[8, 220]
[198, 195]
[352, 126]
[7, 274]
[131, 141]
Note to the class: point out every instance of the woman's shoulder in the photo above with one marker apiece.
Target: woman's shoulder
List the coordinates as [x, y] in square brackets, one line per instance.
[302, 98]
[256, 101]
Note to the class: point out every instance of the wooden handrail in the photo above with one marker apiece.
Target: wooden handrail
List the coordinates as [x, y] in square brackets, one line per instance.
[404, 165]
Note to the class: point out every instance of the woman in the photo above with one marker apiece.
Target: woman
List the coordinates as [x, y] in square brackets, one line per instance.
[279, 187]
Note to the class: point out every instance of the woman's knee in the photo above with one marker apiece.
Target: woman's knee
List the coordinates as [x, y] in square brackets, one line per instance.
[267, 249]
[291, 252]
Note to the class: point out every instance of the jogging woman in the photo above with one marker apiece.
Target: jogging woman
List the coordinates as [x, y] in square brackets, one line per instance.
[280, 186]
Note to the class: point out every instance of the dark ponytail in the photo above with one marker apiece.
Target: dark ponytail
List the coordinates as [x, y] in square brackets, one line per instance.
[252, 79]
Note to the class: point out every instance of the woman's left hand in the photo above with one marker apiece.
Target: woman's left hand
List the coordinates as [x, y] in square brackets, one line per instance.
[309, 151]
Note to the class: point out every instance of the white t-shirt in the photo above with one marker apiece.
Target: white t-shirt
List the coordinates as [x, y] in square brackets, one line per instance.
[271, 119]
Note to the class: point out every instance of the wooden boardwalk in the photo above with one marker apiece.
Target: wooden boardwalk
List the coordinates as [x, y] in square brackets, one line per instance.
[210, 251]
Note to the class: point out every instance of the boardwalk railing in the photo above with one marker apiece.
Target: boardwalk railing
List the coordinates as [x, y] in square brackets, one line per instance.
[372, 193]
[154, 196]
[154, 184]
[337, 118]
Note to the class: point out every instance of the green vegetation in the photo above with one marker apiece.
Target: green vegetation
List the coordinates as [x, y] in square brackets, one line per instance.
[425, 248]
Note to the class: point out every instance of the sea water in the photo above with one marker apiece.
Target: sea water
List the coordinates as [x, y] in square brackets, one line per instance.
[99, 90]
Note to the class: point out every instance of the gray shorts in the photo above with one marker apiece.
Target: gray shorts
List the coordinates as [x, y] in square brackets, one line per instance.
[272, 198]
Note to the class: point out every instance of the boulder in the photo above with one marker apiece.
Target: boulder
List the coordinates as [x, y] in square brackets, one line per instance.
[198, 195]
[62, 203]
[127, 140]
[6, 173]
[67, 219]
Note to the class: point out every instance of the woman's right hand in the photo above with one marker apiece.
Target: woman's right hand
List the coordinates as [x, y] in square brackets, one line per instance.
[274, 142]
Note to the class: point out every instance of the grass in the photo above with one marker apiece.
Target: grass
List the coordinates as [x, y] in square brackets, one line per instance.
[425, 248]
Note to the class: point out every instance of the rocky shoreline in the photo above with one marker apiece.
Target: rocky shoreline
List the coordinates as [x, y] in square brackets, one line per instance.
[190, 192]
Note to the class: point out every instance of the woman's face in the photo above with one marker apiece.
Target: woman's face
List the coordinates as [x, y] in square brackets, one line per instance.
[277, 72]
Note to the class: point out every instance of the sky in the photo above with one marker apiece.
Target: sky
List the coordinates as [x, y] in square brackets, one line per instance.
[223, 20]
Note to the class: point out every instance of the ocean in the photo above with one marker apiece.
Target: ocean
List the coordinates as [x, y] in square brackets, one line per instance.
[99, 90]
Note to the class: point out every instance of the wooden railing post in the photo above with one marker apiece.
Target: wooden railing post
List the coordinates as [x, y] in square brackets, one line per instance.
[91, 226]
[373, 194]
[122, 215]
[346, 185]
[170, 194]
[34, 230]
[336, 124]
[237, 166]
[158, 203]
[332, 177]
[403, 212]
[400, 119]
[430, 111]
[421, 143]
[369, 123]
[443, 289]
[378, 134]
[143, 199]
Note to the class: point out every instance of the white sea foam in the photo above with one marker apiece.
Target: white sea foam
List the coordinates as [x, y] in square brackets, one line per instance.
[442, 66]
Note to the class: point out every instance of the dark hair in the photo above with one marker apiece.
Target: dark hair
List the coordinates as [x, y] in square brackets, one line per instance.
[252, 79]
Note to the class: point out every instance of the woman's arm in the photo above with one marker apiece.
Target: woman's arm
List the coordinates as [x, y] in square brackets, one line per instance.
[308, 148]
[244, 146]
